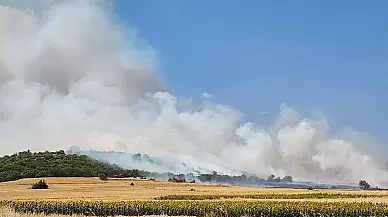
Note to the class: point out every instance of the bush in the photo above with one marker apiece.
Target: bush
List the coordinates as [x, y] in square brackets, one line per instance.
[103, 177]
[176, 180]
[40, 185]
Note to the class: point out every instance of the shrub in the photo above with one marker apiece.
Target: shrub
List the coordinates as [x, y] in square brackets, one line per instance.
[176, 180]
[103, 177]
[40, 185]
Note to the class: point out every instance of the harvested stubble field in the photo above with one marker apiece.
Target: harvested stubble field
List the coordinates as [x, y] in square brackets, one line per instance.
[93, 189]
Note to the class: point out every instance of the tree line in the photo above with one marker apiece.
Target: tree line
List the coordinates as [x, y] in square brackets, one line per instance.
[241, 179]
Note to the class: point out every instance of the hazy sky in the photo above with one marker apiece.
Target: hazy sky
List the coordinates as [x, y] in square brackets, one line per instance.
[69, 76]
[330, 56]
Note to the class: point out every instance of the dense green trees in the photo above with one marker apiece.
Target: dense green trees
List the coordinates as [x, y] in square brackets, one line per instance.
[56, 164]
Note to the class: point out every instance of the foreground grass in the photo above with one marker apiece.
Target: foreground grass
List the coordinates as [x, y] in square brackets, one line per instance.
[7, 212]
[201, 208]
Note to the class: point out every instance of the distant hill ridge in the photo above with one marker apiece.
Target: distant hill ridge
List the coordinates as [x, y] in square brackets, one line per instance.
[200, 173]
[155, 164]
[27, 164]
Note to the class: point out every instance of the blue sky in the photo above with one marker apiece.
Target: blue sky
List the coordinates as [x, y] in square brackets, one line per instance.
[255, 55]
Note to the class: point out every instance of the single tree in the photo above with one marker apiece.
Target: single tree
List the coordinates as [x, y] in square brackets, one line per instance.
[363, 184]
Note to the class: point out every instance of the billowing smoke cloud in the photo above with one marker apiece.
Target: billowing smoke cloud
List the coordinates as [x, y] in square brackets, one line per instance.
[68, 76]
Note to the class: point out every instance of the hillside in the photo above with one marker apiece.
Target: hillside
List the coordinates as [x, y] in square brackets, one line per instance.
[142, 161]
[56, 164]
[60, 164]
[203, 173]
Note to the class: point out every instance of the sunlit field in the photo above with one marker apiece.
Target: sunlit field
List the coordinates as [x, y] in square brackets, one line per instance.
[6, 212]
[93, 189]
[115, 197]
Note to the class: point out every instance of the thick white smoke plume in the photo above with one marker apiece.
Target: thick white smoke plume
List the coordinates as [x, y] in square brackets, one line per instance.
[68, 76]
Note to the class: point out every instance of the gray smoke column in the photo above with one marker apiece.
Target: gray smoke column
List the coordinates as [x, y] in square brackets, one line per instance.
[69, 76]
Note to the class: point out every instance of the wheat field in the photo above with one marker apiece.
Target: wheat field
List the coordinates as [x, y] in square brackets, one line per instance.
[6, 212]
[93, 189]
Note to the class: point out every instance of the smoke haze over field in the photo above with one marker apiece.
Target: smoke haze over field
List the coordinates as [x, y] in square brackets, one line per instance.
[69, 76]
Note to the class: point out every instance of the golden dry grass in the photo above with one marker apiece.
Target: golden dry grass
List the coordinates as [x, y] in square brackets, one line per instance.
[120, 189]
[5, 212]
